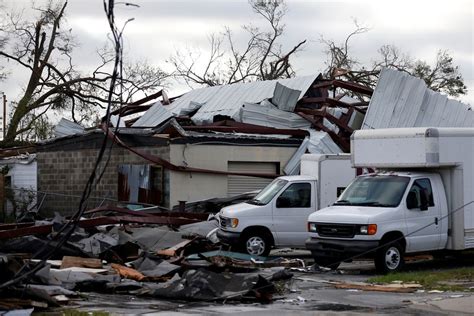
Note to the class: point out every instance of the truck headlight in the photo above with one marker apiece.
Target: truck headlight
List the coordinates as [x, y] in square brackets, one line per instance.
[234, 222]
[370, 229]
[312, 227]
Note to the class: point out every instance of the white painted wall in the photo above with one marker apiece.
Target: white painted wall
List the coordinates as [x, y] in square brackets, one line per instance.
[193, 187]
[23, 176]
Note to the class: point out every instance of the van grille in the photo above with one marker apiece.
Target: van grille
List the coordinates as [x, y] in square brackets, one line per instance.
[335, 230]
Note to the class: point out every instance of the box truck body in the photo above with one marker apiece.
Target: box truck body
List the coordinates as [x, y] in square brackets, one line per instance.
[420, 198]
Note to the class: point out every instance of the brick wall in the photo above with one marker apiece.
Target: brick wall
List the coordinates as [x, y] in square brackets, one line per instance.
[64, 173]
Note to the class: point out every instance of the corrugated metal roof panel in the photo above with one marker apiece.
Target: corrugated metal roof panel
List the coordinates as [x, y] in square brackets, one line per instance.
[228, 99]
[270, 116]
[401, 100]
[285, 98]
[154, 116]
[316, 143]
[66, 127]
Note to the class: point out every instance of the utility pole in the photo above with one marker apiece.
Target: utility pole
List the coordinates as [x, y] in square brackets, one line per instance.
[4, 115]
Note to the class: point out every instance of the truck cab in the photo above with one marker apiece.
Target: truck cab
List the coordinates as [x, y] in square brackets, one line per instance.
[400, 212]
[277, 216]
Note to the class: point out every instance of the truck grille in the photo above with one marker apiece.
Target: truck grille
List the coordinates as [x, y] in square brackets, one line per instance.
[332, 230]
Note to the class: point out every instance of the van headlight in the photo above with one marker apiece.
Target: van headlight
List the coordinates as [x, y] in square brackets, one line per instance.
[233, 222]
[312, 228]
[370, 229]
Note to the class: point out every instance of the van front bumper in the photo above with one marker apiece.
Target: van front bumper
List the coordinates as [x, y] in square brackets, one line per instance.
[341, 249]
[229, 238]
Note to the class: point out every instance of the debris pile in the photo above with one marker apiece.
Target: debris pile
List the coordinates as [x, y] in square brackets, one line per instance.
[149, 254]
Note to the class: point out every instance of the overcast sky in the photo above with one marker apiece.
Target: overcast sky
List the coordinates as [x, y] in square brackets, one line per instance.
[418, 28]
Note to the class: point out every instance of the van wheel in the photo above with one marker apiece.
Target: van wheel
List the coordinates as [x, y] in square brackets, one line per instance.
[389, 258]
[256, 244]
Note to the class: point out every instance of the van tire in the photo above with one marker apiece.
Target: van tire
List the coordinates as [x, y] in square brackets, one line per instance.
[256, 244]
[389, 258]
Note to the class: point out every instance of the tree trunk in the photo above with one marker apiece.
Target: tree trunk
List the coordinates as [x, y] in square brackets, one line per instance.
[20, 112]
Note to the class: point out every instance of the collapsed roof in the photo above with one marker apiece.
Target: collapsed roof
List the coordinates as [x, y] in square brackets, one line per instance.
[291, 107]
[400, 100]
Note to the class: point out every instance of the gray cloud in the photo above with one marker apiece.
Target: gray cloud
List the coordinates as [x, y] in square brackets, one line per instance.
[417, 27]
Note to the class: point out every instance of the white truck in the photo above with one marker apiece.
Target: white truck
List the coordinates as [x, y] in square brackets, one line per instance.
[277, 216]
[419, 200]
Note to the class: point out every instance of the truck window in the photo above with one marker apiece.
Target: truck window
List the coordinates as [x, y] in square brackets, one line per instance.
[375, 191]
[423, 191]
[296, 195]
[267, 193]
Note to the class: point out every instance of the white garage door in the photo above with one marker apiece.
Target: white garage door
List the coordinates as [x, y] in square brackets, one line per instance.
[237, 184]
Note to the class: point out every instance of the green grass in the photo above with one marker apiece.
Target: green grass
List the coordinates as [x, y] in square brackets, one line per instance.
[431, 279]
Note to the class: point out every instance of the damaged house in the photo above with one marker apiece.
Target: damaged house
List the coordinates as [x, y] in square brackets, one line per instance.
[222, 141]
[217, 141]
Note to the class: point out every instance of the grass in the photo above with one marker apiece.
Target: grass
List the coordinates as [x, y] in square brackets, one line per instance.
[432, 279]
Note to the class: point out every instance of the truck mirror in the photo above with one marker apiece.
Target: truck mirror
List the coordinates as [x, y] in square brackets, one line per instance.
[412, 200]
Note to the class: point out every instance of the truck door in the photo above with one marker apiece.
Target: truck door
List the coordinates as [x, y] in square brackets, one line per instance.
[290, 213]
[423, 217]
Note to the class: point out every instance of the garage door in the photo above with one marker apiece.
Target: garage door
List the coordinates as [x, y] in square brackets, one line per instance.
[237, 184]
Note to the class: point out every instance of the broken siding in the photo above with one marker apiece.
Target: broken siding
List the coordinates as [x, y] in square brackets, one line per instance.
[400, 100]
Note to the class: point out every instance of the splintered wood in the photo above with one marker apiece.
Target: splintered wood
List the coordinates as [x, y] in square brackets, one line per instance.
[394, 288]
[78, 262]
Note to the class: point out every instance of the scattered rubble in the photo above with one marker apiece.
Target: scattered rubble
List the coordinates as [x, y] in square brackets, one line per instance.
[173, 257]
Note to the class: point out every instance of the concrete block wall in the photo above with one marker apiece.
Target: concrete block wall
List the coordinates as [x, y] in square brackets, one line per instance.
[63, 174]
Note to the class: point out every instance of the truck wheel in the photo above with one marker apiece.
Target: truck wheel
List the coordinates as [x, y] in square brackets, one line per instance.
[256, 244]
[389, 258]
[327, 263]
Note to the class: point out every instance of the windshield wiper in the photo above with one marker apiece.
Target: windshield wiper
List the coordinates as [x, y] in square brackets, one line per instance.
[342, 202]
[256, 202]
[374, 203]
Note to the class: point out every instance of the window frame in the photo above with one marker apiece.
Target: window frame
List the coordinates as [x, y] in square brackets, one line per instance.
[293, 206]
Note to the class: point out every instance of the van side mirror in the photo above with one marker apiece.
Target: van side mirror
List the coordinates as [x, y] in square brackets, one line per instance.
[412, 200]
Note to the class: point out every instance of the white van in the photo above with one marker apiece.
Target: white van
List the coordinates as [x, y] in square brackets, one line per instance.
[277, 216]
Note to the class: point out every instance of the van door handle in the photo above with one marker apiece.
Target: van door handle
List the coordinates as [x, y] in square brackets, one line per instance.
[436, 221]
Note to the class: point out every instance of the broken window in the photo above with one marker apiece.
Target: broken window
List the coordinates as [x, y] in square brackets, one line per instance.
[140, 184]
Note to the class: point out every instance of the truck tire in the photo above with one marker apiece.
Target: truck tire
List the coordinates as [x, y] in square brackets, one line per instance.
[332, 264]
[389, 258]
[256, 244]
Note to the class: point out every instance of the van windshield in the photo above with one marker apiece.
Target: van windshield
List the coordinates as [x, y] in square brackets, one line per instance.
[375, 191]
[267, 194]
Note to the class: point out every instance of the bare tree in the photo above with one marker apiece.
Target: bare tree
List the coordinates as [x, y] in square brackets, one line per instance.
[443, 76]
[43, 47]
[262, 58]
